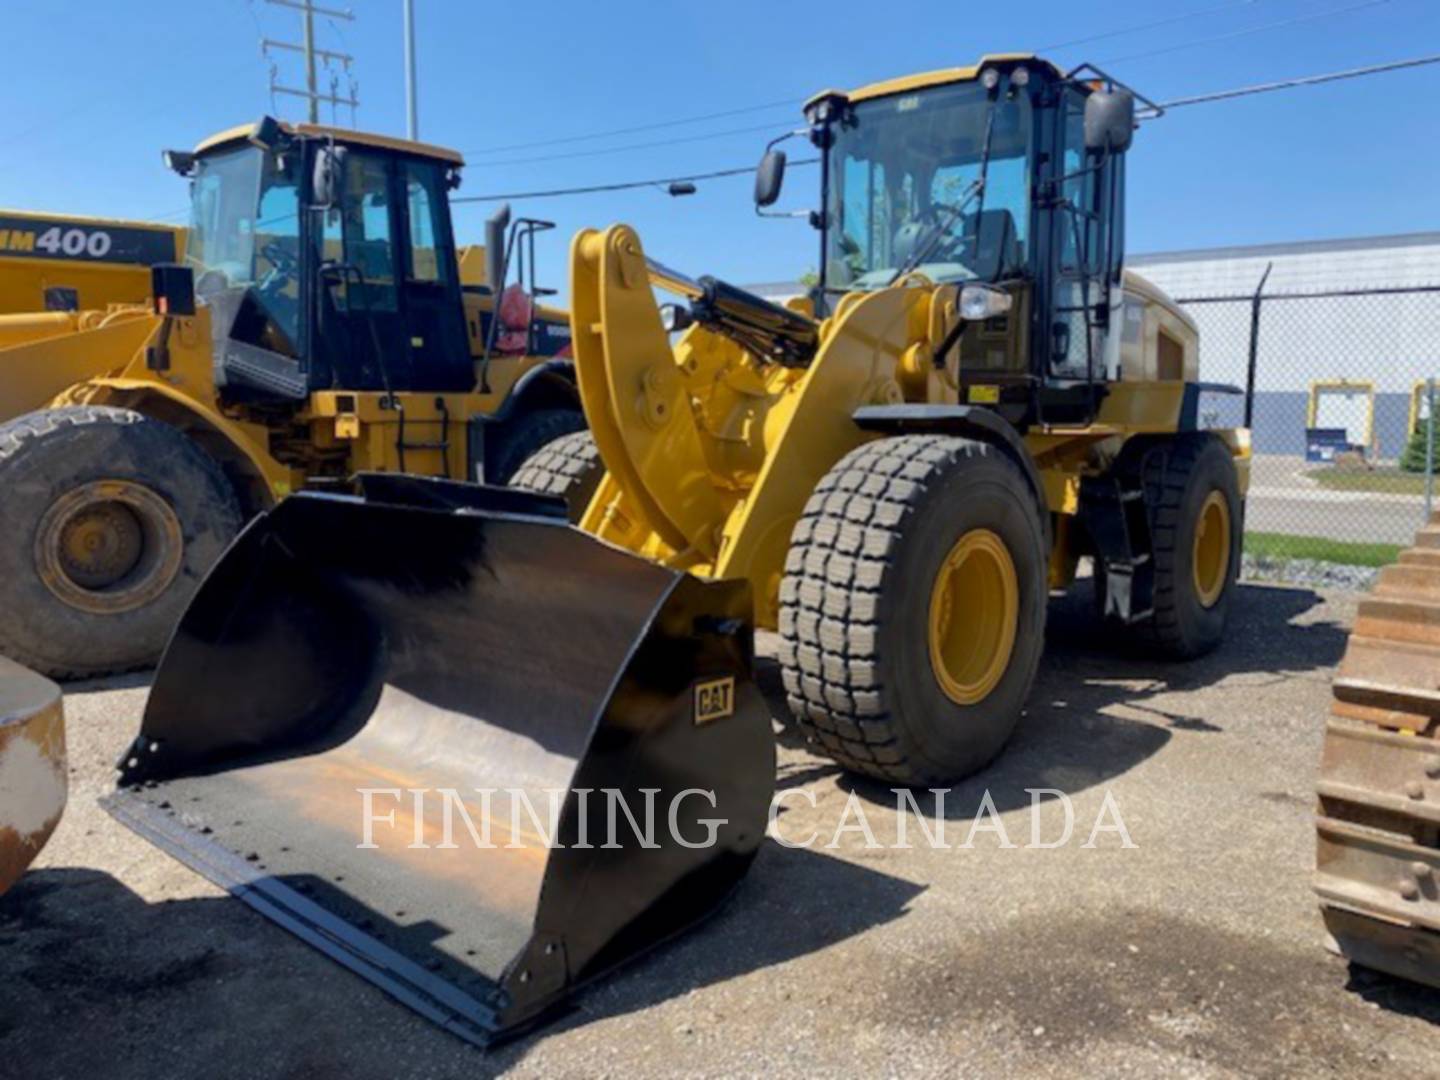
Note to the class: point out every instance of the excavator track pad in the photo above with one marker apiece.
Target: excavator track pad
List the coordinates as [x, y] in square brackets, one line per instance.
[1378, 816]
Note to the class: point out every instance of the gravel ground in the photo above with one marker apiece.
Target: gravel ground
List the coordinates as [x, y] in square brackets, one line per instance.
[1311, 573]
[1197, 952]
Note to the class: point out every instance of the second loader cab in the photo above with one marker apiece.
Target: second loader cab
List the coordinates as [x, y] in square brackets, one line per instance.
[328, 260]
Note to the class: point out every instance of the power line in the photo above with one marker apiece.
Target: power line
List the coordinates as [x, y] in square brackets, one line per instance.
[623, 149]
[622, 185]
[637, 128]
[1219, 95]
[1277, 25]
[1139, 27]
[795, 102]
[1304, 80]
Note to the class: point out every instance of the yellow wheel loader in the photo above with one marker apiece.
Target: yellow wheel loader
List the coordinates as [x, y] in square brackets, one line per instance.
[1377, 864]
[55, 263]
[324, 324]
[894, 474]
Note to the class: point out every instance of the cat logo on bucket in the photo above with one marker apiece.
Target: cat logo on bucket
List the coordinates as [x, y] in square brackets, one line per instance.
[714, 699]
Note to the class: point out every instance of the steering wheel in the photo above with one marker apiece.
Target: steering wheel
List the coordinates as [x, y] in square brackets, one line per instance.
[285, 265]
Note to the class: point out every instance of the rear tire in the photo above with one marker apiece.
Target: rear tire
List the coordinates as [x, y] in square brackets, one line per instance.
[525, 435]
[109, 521]
[569, 467]
[896, 658]
[1190, 483]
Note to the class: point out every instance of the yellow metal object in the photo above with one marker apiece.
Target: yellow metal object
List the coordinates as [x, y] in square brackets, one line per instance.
[108, 546]
[33, 785]
[927, 79]
[1346, 388]
[64, 264]
[344, 135]
[974, 610]
[1210, 550]
[1417, 397]
[34, 372]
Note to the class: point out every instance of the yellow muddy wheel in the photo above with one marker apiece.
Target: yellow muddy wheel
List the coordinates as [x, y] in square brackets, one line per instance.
[108, 546]
[108, 521]
[974, 604]
[1210, 559]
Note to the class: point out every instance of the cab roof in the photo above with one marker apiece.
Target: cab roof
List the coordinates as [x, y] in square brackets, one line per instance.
[344, 136]
[926, 79]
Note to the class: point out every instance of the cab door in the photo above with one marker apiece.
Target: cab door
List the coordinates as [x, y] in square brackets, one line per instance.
[1089, 242]
[434, 315]
[361, 340]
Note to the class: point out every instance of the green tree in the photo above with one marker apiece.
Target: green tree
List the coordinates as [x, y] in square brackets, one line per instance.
[1413, 459]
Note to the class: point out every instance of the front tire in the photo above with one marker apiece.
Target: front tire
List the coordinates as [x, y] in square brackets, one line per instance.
[912, 610]
[108, 522]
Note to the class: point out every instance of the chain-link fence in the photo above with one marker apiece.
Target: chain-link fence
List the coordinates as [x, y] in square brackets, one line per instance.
[1340, 393]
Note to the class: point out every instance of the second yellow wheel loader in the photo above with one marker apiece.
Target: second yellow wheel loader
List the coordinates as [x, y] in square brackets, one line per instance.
[894, 474]
[323, 324]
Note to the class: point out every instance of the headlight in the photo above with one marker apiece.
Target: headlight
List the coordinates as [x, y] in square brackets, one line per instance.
[981, 302]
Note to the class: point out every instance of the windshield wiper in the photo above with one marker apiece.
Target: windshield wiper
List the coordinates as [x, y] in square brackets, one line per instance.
[924, 250]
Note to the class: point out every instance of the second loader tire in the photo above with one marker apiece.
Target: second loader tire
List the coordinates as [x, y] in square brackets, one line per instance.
[569, 467]
[912, 609]
[1192, 496]
[527, 435]
[108, 521]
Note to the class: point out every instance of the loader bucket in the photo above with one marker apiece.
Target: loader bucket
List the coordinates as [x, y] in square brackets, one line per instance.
[370, 711]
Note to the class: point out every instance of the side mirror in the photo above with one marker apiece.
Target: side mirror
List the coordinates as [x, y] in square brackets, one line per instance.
[495, 226]
[172, 289]
[1109, 121]
[180, 162]
[328, 179]
[769, 178]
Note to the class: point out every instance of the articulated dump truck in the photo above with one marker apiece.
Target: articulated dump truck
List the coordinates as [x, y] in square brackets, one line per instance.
[894, 474]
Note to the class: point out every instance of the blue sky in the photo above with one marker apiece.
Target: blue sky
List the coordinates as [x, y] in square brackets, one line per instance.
[94, 89]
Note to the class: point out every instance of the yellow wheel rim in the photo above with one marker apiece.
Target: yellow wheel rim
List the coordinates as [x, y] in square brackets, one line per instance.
[974, 612]
[108, 546]
[1210, 562]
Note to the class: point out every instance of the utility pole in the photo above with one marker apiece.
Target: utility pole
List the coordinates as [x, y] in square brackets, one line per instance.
[412, 124]
[312, 93]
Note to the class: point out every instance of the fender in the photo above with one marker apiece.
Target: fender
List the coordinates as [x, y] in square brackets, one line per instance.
[966, 421]
[545, 379]
[259, 479]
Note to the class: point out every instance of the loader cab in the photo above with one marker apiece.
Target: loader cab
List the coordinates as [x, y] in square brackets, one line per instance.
[328, 261]
[1006, 178]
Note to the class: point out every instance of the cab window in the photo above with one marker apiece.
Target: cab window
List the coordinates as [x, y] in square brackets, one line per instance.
[423, 194]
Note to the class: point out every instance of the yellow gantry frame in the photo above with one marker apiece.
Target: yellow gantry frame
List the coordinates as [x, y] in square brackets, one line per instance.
[1347, 388]
[1417, 395]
